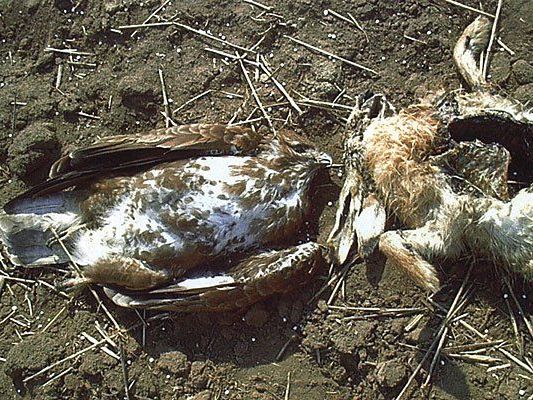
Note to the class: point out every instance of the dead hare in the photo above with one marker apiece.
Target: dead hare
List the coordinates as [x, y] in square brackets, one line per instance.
[441, 167]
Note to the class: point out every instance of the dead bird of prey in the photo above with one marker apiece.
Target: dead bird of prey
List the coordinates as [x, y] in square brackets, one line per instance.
[441, 168]
[201, 217]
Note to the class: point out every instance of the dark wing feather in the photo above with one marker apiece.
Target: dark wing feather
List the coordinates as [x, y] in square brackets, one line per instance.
[126, 154]
[158, 145]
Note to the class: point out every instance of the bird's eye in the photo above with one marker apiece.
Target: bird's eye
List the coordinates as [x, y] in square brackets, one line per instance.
[300, 147]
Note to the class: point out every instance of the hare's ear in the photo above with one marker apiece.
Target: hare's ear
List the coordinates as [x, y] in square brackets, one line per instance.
[469, 50]
[360, 222]
[361, 217]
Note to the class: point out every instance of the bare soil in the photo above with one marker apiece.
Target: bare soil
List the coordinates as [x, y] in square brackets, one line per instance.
[116, 90]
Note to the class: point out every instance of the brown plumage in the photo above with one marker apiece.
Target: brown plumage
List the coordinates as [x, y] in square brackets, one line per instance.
[193, 217]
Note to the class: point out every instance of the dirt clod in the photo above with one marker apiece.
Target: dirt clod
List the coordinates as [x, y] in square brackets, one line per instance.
[198, 378]
[203, 395]
[390, 374]
[29, 356]
[500, 68]
[138, 90]
[33, 151]
[524, 93]
[174, 363]
[523, 72]
[419, 335]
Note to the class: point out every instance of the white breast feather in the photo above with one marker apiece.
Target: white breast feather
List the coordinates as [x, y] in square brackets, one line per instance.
[228, 219]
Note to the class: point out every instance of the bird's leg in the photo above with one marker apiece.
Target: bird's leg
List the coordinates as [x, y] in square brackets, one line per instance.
[247, 281]
[126, 272]
[413, 250]
[278, 271]
[398, 247]
[266, 273]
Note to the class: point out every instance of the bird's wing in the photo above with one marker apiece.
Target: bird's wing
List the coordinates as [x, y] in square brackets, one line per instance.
[158, 145]
[124, 154]
[257, 276]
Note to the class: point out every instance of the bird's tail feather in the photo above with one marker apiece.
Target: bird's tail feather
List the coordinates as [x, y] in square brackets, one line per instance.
[28, 228]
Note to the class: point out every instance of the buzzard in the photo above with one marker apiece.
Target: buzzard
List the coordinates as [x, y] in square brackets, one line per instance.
[194, 217]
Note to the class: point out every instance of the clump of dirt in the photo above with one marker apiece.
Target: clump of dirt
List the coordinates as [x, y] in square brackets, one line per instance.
[32, 153]
[69, 74]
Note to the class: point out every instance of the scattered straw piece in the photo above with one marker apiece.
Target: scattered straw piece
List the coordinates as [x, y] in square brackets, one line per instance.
[192, 100]
[8, 317]
[288, 388]
[324, 104]
[413, 323]
[124, 372]
[507, 354]
[359, 26]
[54, 319]
[72, 356]
[255, 95]
[329, 11]
[520, 309]
[473, 346]
[142, 319]
[59, 75]
[230, 56]
[334, 278]
[105, 349]
[56, 377]
[439, 338]
[279, 86]
[498, 367]
[153, 15]
[505, 47]
[518, 337]
[414, 39]
[456, 3]
[165, 98]
[491, 40]
[475, 358]
[257, 4]
[90, 116]
[81, 64]
[247, 121]
[285, 347]
[104, 335]
[190, 29]
[328, 54]
[73, 52]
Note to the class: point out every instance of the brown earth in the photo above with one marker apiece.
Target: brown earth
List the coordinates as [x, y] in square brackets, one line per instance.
[235, 356]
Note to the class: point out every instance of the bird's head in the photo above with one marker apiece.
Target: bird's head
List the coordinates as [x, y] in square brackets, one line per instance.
[300, 150]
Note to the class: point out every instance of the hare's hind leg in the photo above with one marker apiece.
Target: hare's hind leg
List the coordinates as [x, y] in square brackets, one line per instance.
[414, 250]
